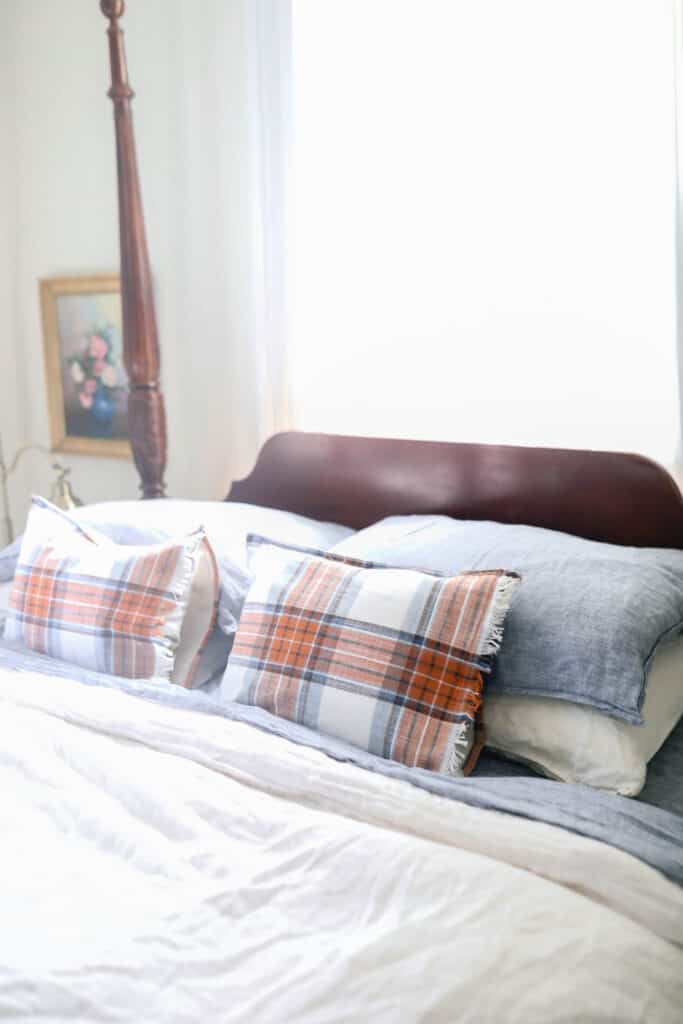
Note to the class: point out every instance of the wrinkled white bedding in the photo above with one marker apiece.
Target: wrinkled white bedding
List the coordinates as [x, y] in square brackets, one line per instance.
[165, 865]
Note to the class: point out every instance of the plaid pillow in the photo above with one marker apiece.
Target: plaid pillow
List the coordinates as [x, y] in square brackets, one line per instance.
[134, 611]
[390, 660]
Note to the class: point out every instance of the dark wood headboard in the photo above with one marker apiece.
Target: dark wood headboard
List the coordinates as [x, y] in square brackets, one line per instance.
[608, 496]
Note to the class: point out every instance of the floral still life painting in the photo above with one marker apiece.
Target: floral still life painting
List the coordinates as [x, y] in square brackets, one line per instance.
[86, 379]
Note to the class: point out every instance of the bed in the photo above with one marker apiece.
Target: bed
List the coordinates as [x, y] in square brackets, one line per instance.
[171, 855]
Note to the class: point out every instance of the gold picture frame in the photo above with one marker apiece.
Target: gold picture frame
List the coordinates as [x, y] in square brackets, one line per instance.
[87, 388]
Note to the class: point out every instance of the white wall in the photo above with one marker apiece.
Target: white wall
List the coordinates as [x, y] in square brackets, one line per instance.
[59, 215]
[12, 410]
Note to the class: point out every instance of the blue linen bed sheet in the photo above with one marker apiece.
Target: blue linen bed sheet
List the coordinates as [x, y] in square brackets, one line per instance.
[663, 788]
[652, 833]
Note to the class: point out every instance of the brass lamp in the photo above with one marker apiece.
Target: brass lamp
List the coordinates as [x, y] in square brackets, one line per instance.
[61, 494]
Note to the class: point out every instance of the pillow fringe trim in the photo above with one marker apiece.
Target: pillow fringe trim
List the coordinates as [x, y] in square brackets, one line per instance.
[494, 627]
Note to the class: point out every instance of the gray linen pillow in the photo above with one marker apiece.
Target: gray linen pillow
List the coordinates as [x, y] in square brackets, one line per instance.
[586, 620]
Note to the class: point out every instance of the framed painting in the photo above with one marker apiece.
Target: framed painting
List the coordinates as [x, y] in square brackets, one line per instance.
[87, 388]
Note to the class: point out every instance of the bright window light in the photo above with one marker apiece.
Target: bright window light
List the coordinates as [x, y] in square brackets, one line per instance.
[483, 221]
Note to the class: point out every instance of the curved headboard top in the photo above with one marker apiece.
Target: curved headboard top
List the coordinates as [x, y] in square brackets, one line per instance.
[608, 496]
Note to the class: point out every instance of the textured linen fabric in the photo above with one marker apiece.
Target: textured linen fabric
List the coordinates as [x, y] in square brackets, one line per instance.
[664, 785]
[182, 867]
[585, 625]
[576, 743]
[113, 608]
[226, 524]
[388, 659]
[652, 832]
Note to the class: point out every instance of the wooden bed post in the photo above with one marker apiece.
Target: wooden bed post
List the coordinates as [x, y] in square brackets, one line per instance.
[146, 414]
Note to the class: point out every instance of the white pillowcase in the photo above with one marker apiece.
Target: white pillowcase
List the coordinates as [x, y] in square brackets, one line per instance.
[226, 523]
[575, 743]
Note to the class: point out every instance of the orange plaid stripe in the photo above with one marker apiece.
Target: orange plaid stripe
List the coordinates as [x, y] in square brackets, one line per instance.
[415, 685]
[126, 616]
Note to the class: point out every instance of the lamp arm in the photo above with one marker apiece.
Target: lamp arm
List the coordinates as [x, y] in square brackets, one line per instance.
[6, 471]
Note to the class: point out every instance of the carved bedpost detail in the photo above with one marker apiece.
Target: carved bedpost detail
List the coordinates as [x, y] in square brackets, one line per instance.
[146, 413]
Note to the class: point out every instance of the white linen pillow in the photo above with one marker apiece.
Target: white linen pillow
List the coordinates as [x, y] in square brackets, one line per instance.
[131, 610]
[226, 523]
[575, 743]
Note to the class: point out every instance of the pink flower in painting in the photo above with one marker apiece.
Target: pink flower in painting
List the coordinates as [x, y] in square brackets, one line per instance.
[98, 366]
[85, 400]
[109, 376]
[98, 347]
[90, 386]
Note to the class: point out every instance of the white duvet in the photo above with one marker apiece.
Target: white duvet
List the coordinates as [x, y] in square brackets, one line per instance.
[162, 865]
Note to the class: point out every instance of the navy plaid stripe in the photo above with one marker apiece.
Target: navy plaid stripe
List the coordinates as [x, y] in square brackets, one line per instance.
[388, 658]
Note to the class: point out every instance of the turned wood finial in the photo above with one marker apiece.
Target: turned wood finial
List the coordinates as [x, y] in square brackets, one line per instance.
[112, 9]
[146, 413]
[120, 88]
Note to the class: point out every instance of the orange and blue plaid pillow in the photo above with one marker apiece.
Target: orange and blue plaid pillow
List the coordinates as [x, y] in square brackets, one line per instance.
[117, 609]
[391, 660]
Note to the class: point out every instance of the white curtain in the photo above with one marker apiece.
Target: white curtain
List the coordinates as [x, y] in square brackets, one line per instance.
[483, 228]
[220, 263]
[270, 48]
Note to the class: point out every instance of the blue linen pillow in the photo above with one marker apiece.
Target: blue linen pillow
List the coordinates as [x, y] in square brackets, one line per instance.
[586, 620]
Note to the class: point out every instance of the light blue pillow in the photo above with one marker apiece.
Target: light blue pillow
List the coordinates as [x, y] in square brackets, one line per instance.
[587, 617]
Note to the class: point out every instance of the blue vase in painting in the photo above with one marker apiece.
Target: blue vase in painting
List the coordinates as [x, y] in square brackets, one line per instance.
[102, 410]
